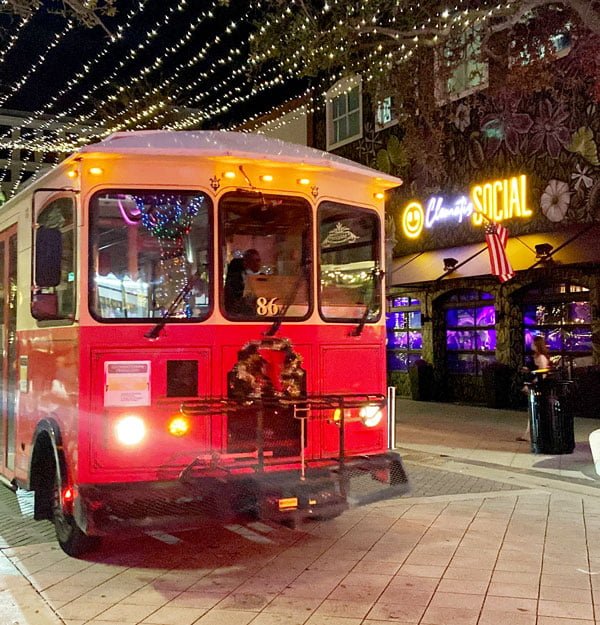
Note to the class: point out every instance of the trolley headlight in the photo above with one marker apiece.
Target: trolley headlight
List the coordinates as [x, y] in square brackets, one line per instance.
[130, 430]
[370, 415]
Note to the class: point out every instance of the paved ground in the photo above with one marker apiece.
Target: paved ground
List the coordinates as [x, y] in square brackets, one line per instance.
[492, 535]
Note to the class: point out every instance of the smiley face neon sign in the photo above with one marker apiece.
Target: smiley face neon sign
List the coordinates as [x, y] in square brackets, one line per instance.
[413, 220]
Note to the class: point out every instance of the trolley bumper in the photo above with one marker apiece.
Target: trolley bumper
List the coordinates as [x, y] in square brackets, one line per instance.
[277, 495]
[318, 492]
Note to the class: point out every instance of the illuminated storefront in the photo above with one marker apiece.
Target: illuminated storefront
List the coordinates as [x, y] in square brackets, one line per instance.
[446, 309]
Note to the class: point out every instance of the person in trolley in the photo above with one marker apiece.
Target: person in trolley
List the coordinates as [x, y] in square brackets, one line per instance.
[237, 300]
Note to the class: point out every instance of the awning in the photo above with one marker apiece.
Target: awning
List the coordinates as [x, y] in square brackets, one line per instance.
[571, 245]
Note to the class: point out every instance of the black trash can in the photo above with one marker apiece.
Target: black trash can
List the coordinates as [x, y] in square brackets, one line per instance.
[550, 417]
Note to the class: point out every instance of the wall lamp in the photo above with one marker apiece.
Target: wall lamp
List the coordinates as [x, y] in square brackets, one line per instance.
[543, 250]
[450, 264]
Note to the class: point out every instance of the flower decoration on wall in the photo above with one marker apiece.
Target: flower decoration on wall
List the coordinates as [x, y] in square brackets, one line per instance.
[582, 143]
[582, 179]
[505, 126]
[555, 200]
[369, 144]
[549, 129]
[462, 116]
[393, 156]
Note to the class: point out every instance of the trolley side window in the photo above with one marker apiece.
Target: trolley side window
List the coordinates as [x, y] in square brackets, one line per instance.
[349, 263]
[149, 254]
[265, 256]
[53, 289]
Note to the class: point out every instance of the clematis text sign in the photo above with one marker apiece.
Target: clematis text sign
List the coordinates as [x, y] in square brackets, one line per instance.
[496, 200]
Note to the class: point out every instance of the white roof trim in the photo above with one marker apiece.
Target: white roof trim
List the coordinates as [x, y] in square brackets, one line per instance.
[214, 143]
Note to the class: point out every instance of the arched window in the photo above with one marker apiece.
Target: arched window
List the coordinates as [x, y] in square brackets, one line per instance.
[470, 331]
[562, 314]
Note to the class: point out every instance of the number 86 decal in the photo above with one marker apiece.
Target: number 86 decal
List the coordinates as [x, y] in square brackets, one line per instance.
[267, 307]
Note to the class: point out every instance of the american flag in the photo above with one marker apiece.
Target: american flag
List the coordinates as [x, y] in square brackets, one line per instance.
[496, 237]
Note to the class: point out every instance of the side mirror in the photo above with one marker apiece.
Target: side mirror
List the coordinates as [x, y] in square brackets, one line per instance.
[48, 256]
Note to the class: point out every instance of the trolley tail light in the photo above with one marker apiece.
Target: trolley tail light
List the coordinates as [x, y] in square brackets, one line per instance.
[67, 499]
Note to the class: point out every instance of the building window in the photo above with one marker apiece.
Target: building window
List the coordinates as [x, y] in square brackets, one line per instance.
[470, 331]
[404, 333]
[385, 116]
[461, 71]
[557, 46]
[562, 314]
[344, 112]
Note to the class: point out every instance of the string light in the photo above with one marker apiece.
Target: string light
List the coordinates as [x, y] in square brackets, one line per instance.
[245, 79]
[15, 87]
[79, 77]
[12, 40]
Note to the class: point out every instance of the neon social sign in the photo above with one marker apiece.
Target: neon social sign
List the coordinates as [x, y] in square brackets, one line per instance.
[495, 201]
[500, 200]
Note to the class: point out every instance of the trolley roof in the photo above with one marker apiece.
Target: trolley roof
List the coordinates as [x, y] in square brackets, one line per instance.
[232, 145]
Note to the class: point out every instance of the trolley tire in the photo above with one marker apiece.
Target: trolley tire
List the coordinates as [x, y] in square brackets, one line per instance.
[71, 538]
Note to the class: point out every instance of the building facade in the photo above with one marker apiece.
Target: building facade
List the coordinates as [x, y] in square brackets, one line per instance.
[526, 159]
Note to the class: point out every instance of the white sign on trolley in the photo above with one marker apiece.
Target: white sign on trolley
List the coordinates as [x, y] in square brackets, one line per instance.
[127, 383]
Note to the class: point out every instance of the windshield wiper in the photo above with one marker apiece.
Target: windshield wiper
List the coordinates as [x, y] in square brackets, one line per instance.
[289, 300]
[157, 329]
[376, 274]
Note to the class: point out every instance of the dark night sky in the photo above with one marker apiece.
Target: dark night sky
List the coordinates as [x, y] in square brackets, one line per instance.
[80, 46]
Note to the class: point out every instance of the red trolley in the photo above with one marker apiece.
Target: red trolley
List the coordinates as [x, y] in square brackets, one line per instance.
[193, 321]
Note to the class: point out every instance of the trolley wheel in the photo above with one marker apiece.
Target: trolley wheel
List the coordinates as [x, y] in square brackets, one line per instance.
[72, 540]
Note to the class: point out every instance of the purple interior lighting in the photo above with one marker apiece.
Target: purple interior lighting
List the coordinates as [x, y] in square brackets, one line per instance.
[579, 340]
[458, 317]
[397, 361]
[580, 312]
[415, 340]
[529, 316]
[414, 319]
[398, 339]
[486, 340]
[486, 316]
[459, 339]
[554, 340]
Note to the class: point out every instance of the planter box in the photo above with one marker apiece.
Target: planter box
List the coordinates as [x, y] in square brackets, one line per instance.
[497, 381]
[421, 381]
